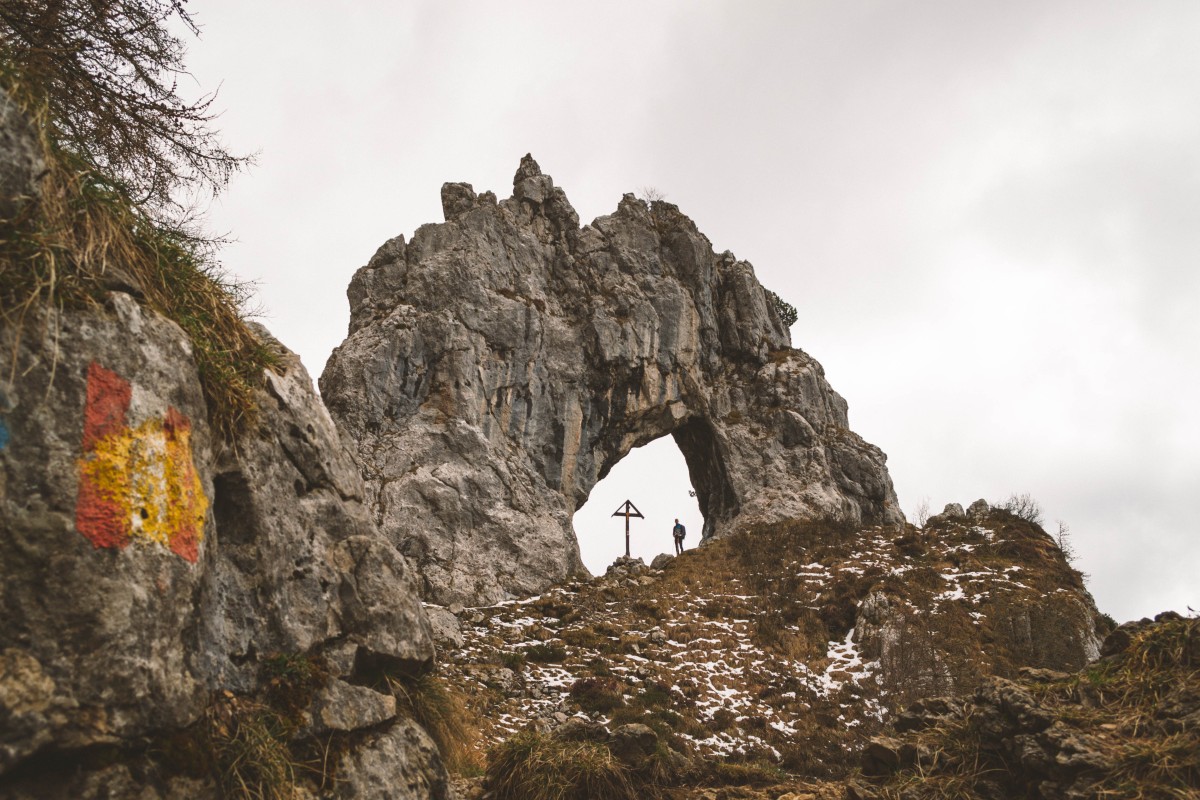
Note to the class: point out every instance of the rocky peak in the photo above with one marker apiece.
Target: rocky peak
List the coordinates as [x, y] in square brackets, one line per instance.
[528, 169]
[500, 363]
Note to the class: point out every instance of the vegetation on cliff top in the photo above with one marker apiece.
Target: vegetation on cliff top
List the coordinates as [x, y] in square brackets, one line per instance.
[126, 159]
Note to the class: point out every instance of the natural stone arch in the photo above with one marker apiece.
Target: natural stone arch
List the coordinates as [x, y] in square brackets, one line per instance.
[499, 364]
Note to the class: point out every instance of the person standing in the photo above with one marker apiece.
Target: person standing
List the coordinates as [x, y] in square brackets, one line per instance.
[679, 532]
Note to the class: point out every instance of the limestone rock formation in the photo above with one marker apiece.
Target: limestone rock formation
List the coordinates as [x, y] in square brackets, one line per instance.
[21, 162]
[1061, 736]
[302, 564]
[146, 565]
[1021, 598]
[500, 364]
[158, 581]
[99, 567]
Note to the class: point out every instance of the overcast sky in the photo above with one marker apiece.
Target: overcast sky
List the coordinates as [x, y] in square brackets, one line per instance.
[987, 214]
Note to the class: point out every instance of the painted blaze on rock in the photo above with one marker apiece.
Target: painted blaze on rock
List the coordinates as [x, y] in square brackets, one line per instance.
[136, 483]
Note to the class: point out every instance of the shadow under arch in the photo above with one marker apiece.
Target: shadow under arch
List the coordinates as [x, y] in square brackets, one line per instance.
[703, 452]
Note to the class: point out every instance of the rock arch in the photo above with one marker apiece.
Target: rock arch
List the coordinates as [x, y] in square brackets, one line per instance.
[500, 363]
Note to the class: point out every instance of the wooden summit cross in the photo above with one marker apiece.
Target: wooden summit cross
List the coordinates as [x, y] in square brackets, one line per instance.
[627, 510]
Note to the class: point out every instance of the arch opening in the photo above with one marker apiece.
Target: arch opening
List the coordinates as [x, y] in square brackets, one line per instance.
[655, 477]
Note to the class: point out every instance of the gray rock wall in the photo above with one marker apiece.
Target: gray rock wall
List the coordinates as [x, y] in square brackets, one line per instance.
[500, 364]
[21, 162]
[150, 574]
[301, 565]
[145, 566]
[97, 584]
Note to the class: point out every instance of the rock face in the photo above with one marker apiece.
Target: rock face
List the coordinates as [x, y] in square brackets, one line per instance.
[154, 577]
[99, 574]
[146, 566]
[21, 162]
[500, 364]
[1002, 596]
[301, 564]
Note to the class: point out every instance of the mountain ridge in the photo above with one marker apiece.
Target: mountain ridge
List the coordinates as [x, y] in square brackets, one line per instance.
[809, 632]
[193, 610]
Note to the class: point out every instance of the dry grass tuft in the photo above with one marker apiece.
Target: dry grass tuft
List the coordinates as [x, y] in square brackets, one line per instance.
[599, 695]
[744, 773]
[546, 653]
[532, 766]
[444, 715]
[249, 746]
[84, 235]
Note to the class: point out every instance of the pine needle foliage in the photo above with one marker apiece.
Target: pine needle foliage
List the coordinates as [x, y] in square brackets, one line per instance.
[786, 311]
[83, 235]
[97, 82]
[107, 75]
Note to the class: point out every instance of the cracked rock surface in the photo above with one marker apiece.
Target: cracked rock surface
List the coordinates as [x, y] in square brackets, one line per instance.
[147, 566]
[500, 363]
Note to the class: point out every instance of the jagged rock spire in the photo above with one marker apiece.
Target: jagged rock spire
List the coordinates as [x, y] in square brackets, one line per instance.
[500, 364]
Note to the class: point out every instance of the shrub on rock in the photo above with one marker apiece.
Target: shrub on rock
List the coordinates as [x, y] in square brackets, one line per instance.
[534, 766]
